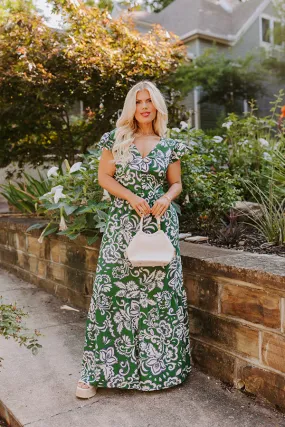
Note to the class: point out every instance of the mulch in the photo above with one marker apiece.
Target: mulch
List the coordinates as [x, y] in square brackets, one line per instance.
[3, 423]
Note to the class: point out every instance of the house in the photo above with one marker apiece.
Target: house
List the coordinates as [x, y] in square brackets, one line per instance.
[235, 27]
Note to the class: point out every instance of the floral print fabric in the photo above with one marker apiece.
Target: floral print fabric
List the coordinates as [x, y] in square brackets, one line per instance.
[137, 328]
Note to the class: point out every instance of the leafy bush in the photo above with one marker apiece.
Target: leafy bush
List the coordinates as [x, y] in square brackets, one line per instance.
[209, 189]
[207, 194]
[216, 172]
[95, 60]
[11, 327]
[74, 203]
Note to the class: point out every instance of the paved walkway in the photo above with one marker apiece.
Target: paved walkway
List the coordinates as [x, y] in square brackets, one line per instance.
[40, 390]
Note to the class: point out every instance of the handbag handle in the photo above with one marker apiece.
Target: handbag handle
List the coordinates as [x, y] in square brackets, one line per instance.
[157, 220]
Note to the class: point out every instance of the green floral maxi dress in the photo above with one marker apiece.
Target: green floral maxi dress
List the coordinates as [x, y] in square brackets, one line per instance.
[137, 328]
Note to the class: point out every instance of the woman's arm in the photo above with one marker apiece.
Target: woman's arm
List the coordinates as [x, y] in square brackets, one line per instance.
[107, 181]
[175, 187]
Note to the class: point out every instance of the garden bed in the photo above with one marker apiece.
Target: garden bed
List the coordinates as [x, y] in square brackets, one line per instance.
[249, 241]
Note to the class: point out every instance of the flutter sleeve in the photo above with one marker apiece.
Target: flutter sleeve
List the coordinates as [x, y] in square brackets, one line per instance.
[179, 150]
[107, 140]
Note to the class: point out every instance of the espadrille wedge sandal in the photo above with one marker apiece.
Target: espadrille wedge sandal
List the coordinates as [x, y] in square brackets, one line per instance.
[85, 393]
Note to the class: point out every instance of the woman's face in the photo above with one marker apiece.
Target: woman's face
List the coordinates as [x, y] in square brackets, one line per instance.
[145, 110]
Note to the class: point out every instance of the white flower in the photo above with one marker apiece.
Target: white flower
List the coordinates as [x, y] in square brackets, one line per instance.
[227, 124]
[41, 238]
[263, 142]
[217, 139]
[58, 194]
[267, 156]
[106, 195]
[76, 167]
[176, 129]
[46, 195]
[184, 125]
[52, 171]
[62, 224]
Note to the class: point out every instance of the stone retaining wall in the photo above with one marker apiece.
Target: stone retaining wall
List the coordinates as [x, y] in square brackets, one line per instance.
[59, 265]
[236, 301]
[237, 318]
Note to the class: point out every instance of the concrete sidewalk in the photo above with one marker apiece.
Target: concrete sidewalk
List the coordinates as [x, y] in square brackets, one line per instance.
[40, 390]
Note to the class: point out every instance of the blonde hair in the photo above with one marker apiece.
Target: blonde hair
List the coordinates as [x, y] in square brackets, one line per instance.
[127, 125]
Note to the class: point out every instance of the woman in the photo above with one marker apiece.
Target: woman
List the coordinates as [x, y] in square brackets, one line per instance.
[137, 332]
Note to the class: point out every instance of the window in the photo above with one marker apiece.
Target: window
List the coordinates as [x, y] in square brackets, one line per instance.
[277, 35]
[271, 31]
[265, 30]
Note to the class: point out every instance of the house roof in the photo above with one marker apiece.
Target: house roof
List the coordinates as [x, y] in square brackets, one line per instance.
[220, 19]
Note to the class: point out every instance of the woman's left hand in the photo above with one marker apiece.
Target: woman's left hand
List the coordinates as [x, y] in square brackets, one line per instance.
[160, 206]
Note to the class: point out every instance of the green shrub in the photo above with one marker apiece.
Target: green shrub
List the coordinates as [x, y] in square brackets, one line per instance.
[74, 203]
[207, 194]
[11, 326]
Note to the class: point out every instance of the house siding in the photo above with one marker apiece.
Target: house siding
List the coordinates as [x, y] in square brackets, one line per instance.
[270, 10]
[193, 47]
[249, 42]
[205, 44]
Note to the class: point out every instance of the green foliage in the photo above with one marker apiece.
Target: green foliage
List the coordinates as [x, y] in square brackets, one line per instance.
[278, 173]
[224, 81]
[253, 144]
[10, 6]
[208, 194]
[216, 173]
[11, 326]
[45, 72]
[74, 203]
[151, 5]
[209, 188]
[24, 195]
[157, 5]
[271, 222]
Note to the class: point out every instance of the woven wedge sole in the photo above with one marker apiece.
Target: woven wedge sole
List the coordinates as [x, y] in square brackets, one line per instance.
[85, 393]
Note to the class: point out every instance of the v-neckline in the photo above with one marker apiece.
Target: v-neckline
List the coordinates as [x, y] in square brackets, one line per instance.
[160, 139]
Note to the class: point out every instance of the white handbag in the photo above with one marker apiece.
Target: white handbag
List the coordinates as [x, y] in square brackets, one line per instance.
[150, 250]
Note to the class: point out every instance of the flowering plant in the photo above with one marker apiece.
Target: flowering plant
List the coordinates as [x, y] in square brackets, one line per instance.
[75, 203]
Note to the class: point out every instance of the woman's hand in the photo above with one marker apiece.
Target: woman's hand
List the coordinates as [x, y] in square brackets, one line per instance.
[139, 204]
[160, 206]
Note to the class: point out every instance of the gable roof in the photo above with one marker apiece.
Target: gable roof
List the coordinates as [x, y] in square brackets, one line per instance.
[224, 20]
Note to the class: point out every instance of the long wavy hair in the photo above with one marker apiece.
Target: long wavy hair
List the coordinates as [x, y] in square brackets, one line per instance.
[127, 125]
